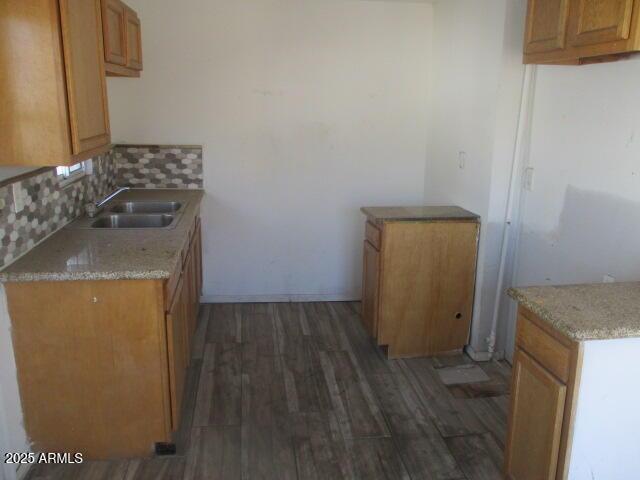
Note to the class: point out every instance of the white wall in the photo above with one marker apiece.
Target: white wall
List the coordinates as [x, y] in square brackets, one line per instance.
[582, 219]
[607, 421]
[307, 111]
[476, 88]
[12, 435]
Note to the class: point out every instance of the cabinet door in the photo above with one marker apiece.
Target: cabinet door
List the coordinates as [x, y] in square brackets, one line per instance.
[81, 22]
[370, 288]
[535, 423]
[134, 40]
[546, 25]
[177, 351]
[113, 27]
[600, 21]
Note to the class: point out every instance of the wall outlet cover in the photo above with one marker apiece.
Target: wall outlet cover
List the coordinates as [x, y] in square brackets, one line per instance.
[528, 179]
[18, 199]
[462, 160]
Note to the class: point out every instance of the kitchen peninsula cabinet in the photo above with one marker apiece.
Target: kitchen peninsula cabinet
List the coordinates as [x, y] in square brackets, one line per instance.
[105, 358]
[581, 31]
[53, 84]
[572, 414]
[419, 268]
[545, 375]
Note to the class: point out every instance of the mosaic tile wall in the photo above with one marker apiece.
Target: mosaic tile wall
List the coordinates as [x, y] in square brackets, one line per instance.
[48, 206]
[158, 166]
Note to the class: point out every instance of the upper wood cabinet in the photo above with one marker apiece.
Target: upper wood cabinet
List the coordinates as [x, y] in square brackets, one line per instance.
[546, 25]
[122, 39]
[581, 31]
[134, 40]
[52, 79]
[113, 26]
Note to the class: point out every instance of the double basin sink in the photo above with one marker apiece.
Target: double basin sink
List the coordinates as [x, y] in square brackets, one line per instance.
[138, 214]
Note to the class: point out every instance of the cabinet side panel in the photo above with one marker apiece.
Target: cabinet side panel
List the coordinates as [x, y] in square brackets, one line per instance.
[89, 368]
[34, 126]
[370, 290]
[605, 443]
[427, 289]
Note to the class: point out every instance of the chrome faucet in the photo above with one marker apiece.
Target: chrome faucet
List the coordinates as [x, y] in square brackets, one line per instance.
[93, 209]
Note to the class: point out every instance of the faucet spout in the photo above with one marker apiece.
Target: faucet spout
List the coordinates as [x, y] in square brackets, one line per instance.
[111, 196]
[93, 209]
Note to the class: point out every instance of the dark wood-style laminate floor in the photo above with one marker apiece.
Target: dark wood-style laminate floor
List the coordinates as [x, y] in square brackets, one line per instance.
[298, 391]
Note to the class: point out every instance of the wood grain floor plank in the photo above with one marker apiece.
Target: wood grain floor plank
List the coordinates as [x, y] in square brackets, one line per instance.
[182, 437]
[418, 441]
[219, 393]
[361, 407]
[160, 468]
[299, 391]
[200, 335]
[214, 454]
[320, 326]
[451, 416]
[223, 323]
[377, 458]
[479, 456]
[492, 413]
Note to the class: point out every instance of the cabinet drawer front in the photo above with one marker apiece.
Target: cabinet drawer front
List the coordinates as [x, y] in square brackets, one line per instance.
[548, 351]
[373, 235]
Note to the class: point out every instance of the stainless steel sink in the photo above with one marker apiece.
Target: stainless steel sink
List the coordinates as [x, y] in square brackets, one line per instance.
[145, 207]
[133, 221]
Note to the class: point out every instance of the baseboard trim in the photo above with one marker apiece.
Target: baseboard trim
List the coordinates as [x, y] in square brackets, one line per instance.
[332, 297]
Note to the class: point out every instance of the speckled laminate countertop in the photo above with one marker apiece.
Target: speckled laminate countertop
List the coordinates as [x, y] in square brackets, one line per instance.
[110, 254]
[379, 215]
[586, 312]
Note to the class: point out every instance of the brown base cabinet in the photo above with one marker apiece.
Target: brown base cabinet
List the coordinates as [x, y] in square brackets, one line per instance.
[102, 364]
[546, 367]
[418, 285]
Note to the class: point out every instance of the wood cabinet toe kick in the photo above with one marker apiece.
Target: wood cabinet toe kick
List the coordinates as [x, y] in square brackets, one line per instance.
[101, 364]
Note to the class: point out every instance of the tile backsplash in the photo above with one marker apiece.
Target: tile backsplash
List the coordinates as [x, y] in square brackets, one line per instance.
[49, 205]
[159, 166]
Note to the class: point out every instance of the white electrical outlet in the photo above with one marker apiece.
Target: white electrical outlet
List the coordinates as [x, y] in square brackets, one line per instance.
[462, 160]
[528, 179]
[18, 199]
[608, 279]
